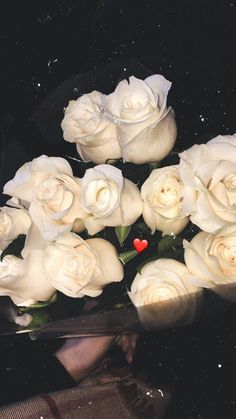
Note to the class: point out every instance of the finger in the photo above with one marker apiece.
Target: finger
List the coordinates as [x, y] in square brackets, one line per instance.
[131, 348]
[133, 341]
[118, 340]
[127, 344]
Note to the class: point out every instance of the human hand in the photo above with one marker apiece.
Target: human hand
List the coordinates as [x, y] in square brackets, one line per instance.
[80, 356]
[128, 345]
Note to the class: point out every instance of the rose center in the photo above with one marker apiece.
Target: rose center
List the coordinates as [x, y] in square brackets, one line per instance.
[230, 181]
[168, 194]
[229, 253]
[71, 266]
[54, 195]
[135, 101]
[101, 197]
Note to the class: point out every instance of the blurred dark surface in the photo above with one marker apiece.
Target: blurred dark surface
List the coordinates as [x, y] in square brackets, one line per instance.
[43, 44]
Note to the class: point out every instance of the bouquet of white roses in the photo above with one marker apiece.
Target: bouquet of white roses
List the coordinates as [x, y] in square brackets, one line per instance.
[163, 230]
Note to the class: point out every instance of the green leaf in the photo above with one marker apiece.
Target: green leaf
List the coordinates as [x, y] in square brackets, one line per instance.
[151, 259]
[170, 254]
[127, 256]
[153, 165]
[39, 305]
[168, 242]
[40, 317]
[141, 227]
[122, 233]
[112, 161]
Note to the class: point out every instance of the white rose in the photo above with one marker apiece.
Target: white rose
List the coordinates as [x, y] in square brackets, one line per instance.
[161, 294]
[77, 267]
[162, 194]
[209, 176]
[109, 199]
[47, 187]
[13, 221]
[86, 125]
[211, 260]
[146, 128]
[23, 280]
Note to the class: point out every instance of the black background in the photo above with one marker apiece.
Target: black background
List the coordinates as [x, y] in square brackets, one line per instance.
[192, 43]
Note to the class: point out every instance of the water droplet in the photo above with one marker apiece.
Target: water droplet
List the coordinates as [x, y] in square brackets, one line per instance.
[149, 393]
[161, 392]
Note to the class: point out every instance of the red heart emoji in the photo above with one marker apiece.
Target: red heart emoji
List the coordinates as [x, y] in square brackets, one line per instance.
[140, 245]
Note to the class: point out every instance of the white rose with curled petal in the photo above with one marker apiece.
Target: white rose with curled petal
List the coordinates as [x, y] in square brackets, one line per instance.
[13, 222]
[24, 280]
[209, 175]
[146, 128]
[162, 194]
[86, 125]
[47, 186]
[162, 295]
[30, 173]
[109, 199]
[78, 268]
[211, 260]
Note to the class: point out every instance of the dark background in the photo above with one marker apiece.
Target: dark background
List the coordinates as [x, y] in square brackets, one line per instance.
[192, 43]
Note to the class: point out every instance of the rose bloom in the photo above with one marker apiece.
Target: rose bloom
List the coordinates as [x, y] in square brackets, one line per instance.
[24, 280]
[146, 127]
[78, 268]
[46, 186]
[162, 295]
[108, 199]
[162, 194]
[13, 222]
[86, 125]
[211, 260]
[209, 176]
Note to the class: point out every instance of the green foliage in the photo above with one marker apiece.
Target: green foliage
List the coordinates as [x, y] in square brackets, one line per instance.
[40, 317]
[122, 233]
[127, 256]
[39, 305]
[153, 165]
[141, 227]
[168, 242]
